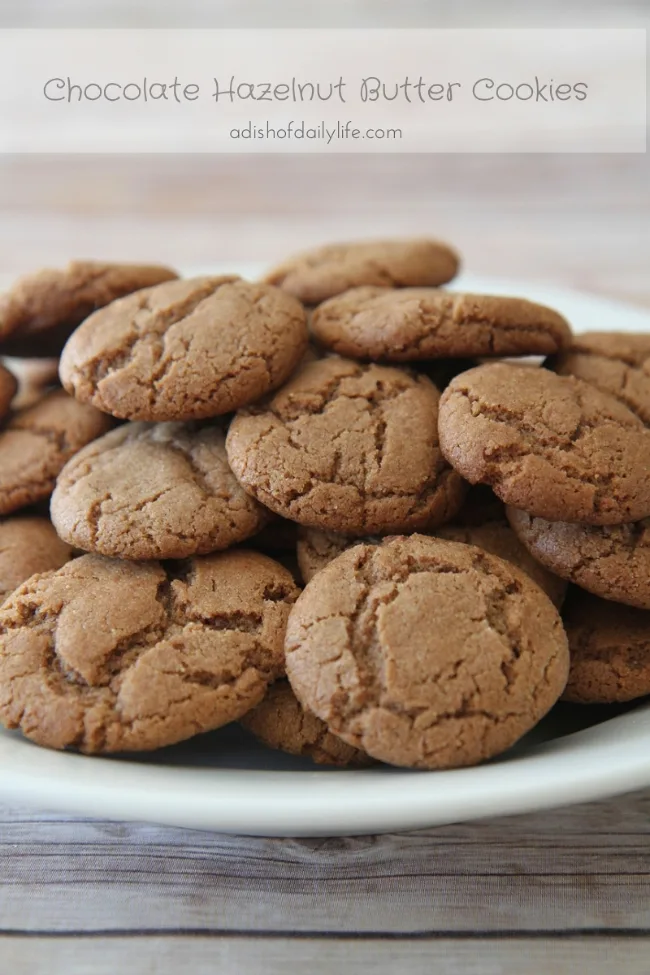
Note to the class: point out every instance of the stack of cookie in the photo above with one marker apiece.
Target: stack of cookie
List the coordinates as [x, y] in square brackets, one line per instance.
[203, 423]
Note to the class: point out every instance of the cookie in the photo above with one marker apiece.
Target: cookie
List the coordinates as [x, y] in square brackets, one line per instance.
[185, 350]
[498, 539]
[552, 445]
[280, 722]
[41, 310]
[8, 389]
[349, 448]
[316, 275]
[154, 491]
[610, 650]
[315, 549]
[614, 362]
[612, 561]
[428, 323]
[426, 653]
[108, 656]
[28, 545]
[36, 444]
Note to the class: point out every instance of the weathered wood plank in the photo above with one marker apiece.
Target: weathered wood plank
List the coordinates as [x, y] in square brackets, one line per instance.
[263, 956]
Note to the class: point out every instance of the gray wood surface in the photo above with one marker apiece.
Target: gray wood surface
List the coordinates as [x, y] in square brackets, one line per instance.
[531, 894]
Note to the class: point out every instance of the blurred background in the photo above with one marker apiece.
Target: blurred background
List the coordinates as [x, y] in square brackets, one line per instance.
[581, 220]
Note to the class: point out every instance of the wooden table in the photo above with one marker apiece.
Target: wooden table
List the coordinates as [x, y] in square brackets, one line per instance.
[562, 892]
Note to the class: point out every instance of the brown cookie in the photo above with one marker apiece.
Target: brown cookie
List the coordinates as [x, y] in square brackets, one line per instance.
[315, 549]
[426, 653]
[347, 447]
[498, 539]
[316, 275]
[36, 444]
[107, 656]
[41, 310]
[154, 491]
[185, 350]
[8, 389]
[28, 545]
[280, 722]
[616, 363]
[427, 323]
[552, 445]
[612, 561]
[610, 650]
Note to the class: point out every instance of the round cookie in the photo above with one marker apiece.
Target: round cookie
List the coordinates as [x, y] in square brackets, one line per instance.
[41, 310]
[8, 389]
[428, 323]
[610, 650]
[28, 545]
[612, 561]
[185, 350]
[347, 447]
[280, 722]
[315, 275]
[36, 444]
[108, 656]
[498, 539]
[426, 653]
[154, 491]
[552, 445]
[615, 362]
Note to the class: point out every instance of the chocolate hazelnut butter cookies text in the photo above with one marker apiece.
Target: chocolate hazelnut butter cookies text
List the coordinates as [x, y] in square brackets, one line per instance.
[361, 424]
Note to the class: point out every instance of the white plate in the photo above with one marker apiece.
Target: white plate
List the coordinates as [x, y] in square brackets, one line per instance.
[225, 781]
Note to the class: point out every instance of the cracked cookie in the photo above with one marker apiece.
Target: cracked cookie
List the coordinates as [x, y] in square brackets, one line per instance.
[347, 447]
[109, 656]
[41, 310]
[610, 650]
[8, 389]
[37, 442]
[315, 549]
[318, 274]
[497, 538]
[154, 491]
[185, 350]
[426, 653]
[429, 323]
[615, 362]
[612, 561]
[280, 722]
[552, 445]
[28, 545]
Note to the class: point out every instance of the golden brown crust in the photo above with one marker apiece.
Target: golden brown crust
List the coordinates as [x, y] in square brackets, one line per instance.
[37, 442]
[330, 450]
[610, 650]
[551, 445]
[315, 275]
[185, 350]
[154, 491]
[426, 653]
[42, 309]
[428, 323]
[28, 545]
[279, 721]
[107, 656]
